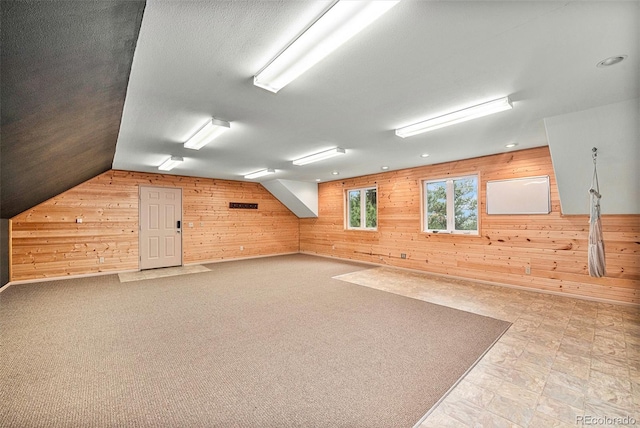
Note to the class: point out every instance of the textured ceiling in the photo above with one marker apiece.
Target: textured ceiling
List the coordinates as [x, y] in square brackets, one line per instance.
[66, 66]
[65, 69]
[195, 60]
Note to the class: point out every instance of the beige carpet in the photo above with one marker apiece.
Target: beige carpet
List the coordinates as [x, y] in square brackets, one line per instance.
[273, 342]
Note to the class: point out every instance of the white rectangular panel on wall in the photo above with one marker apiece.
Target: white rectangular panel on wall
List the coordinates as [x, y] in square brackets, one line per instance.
[529, 195]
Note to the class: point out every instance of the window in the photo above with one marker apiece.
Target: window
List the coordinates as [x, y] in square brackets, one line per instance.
[362, 208]
[451, 205]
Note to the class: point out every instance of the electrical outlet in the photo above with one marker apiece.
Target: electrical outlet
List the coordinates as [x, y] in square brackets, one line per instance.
[78, 220]
[241, 247]
[190, 224]
[101, 259]
[527, 270]
[333, 247]
[403, 256]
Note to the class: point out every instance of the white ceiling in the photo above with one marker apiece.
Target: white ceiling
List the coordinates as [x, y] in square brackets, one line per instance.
[195, 60]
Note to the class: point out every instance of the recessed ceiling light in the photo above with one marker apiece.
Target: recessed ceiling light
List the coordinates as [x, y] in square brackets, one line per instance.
[384, 168]
[510, 145]
[335, 173]
[317, 179]
[612, 60]
[424, 155]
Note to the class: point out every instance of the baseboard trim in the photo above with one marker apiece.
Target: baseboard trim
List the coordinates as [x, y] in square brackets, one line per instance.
[59, 278]
[116, 272]
[480, 281]
[206, 262]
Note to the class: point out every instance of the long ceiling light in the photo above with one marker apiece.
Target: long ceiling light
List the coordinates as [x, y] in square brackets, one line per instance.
[212, 129]
[319, 156]
[260, 173]
[337, 25]
[479, 110]
[170, 163]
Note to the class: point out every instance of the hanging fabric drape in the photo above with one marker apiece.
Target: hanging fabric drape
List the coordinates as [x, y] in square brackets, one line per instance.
[596, 242]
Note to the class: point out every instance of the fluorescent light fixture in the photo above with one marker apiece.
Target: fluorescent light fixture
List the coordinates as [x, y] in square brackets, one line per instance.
[479, 110]
[260, 173]
[320, 156]
[511, 145]
[170, 163]
[337, 25]
[212, 129]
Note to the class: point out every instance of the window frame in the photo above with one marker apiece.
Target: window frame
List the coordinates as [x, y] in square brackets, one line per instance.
[363, 219]
[450, 203]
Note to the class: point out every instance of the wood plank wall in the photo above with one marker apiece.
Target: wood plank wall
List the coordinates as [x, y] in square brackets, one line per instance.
[47, 242]
[553, 246]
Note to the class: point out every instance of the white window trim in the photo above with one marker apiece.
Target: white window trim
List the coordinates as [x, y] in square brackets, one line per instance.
[363, 219]
[450, 206]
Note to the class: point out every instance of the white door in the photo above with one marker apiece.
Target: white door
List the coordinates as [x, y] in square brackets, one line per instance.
[160, 227]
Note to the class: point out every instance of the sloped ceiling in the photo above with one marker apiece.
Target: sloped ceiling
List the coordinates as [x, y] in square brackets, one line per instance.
[65, 69]
[614, 130]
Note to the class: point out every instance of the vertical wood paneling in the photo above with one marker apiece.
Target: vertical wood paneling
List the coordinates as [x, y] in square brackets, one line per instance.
[47, 242]
[553, 246]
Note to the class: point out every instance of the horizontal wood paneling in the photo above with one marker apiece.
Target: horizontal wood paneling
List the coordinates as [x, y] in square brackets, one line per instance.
[553, 246]
[47, 242]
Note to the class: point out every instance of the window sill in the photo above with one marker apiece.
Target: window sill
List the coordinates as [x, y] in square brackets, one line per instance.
[430, 232]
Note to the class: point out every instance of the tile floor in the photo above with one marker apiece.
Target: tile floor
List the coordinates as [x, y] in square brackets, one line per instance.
[563, 360]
